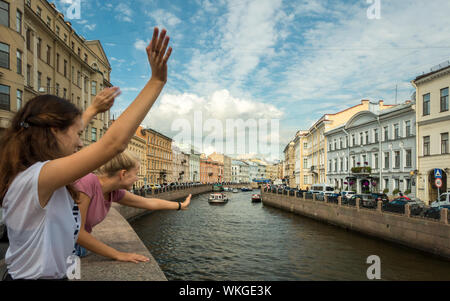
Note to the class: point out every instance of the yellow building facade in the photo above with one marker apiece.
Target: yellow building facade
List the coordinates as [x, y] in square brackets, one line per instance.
[40, 53]
[432, 128]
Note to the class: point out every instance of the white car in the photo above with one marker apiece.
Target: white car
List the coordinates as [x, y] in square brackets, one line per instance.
[348, 194]
[444, 199]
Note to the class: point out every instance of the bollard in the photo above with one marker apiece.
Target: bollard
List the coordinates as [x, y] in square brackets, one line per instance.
[444, 216]
[379, 206]
[407, 210]
[358, 200]
[325, 198]
[314, 196]
[339, 201]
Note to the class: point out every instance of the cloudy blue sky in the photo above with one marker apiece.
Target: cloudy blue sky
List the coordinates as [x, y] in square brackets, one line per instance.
[292, 60]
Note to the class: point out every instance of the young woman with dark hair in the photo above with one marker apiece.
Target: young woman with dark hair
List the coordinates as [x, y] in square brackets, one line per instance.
[40, 161]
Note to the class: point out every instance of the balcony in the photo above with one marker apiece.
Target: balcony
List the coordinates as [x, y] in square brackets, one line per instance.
[367, 170]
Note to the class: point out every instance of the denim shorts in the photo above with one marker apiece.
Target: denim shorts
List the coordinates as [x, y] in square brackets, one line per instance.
[80, 251]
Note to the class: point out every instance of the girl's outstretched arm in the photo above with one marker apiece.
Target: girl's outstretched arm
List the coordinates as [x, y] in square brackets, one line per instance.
[64, 171]
[136, 201]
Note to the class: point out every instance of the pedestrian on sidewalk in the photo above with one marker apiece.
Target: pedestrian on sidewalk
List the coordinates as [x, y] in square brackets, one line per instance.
[110, 184]
[40, 161]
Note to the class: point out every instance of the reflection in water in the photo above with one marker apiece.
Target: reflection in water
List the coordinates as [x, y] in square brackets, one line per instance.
[243, 241]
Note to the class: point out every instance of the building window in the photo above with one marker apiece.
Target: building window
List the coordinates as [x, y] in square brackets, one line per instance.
[85, 58]
[39, 11]
[39, 80]
[426, 104]
[361, 138]
[386, 133]
[57, 30]
[397, 159]
[49, 81]
[305, 163]
[65, 68]
[94, 88]
[444, 143]
[375, 159]
[29, 40]
[49, 22]
[19, 21]
[39, 48]
[57, 62]
[19, 62]
[408, 161]
[94, 134]
[65, 38]
[396, 131]
[78, 78]
[4, 13]
[4, 98]
[444, 100]
[49, 49]
[426, 145]
[375, 135]
[29, 3]
[386, 160]
[407, 128]
[57, 89]
[29, 75]
[19, 99]
[79, 51]
[4, 55]
[353, 140]
[65, 93]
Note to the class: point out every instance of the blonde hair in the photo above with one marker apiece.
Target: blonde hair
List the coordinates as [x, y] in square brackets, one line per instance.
[125, 160]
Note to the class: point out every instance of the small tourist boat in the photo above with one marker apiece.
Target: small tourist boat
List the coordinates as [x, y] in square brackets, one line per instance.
[256, 198]
[244, 189]
[235, 190]
[217, 198]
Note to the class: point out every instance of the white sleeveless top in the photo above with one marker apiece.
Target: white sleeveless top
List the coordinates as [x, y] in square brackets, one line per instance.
[40, 239]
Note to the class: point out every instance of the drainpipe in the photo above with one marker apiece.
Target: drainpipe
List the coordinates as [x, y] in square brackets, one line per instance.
[380, 160]
[348, 155]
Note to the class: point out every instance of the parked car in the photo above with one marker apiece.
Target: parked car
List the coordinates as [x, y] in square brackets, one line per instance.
[347, 194]
[435, 212]
[367, 200]
[381, 197]
[443, 200]
[398, 205]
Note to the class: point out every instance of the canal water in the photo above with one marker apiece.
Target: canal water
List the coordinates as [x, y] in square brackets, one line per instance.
[243, 241]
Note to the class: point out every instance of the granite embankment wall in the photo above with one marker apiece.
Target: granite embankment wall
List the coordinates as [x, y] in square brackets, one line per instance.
[116, 232]
[425, 234]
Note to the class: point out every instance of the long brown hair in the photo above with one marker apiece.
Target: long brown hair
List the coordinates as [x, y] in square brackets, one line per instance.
[29, 138]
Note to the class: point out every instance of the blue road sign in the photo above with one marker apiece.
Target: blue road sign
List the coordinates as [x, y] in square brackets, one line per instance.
[437, 173]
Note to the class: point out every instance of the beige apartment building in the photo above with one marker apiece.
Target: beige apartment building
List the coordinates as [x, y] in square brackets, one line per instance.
[159, 158]
[314, 151]
[301, 165]
[289, 167]
[272, 172]
[226, 162]
[180, 165]
[40, 53]
[138, 145]
[432, 128]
